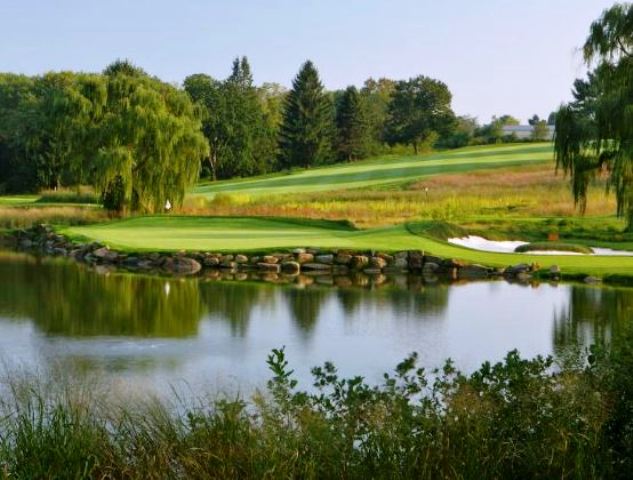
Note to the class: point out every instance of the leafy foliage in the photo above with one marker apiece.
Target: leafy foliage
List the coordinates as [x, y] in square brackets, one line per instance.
[136, 139]
[241, 137]
[593, 133]
[419, 108]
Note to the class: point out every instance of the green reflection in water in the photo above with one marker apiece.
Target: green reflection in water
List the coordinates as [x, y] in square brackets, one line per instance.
[63, 298]
[595, 314]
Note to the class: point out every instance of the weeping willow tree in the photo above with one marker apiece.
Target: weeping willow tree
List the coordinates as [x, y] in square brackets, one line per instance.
[594, 133]
[150, 142]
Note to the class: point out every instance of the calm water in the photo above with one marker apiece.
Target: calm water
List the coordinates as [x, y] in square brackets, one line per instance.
[152, 332]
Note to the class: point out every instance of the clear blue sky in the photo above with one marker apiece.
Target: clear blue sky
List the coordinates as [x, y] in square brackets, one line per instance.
[497, 56]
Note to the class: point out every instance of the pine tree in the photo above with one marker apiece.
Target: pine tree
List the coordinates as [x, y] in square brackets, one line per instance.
[241, 143]
[352, 127]
[308, 123]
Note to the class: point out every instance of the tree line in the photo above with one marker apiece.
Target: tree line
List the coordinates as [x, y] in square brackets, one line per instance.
[140, 141]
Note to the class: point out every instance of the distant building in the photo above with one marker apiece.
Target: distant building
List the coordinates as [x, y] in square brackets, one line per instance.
[525, 131]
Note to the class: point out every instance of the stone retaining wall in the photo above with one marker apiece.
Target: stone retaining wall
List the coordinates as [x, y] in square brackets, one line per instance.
[304, 261]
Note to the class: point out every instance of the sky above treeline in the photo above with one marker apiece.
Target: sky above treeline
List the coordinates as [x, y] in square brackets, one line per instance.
[497, 56]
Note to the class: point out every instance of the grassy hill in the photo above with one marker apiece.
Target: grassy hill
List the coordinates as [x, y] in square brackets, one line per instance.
[384, 170]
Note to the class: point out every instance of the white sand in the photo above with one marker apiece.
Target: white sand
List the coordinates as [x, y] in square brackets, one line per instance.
[482, 244]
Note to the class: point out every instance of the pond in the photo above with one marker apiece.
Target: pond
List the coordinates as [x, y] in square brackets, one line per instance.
[152, 333]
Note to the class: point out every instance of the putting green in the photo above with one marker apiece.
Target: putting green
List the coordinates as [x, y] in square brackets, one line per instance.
[383, 170]
[171, 233]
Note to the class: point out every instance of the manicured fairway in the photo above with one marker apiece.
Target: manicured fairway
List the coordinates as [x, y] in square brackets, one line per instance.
[244, 234]
[384, 170]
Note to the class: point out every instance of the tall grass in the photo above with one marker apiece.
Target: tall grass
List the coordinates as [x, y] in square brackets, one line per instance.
[516, 419]
[24, 217]
[525, 191]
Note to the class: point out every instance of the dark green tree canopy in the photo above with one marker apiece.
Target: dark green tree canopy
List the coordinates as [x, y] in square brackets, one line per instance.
[420, 108]
[241, 139]
[593, 133]
[133, 137]
[308, 123]
[352, 126]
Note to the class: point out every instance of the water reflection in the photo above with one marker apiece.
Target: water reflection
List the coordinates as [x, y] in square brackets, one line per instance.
[170, 329]
[592, 315]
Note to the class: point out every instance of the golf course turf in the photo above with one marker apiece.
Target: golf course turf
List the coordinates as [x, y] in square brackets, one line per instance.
[260, 233]
[384, 170]
[171, 233]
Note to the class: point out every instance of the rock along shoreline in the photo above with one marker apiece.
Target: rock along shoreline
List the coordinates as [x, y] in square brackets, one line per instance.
[43, 239]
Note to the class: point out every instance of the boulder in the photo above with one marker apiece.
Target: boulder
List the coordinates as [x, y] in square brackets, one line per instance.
[343, 258]
[269, 267]
[304, 257]
[105, 254]
[359, 262]
[228, 264]
[516, 269]
[327, 259]
[400, 263]
[415, 260]
[211, 262]
[377, 263]
[430, 268]
[473, 271]
[241, 259]
[270, 259]
[181, 265]
[312, 267]
[289, 267]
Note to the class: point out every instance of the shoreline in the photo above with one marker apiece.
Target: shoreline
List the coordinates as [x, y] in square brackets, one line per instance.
[304, 262]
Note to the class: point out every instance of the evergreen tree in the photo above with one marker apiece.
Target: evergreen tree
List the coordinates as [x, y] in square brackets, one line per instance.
[308, 123]
[351, 125]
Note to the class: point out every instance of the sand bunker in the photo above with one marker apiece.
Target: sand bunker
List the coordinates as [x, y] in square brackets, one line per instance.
[479, 243]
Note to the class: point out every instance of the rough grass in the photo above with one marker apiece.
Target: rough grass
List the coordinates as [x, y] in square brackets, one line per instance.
[504, 192]
[24, 217]
[85, 195]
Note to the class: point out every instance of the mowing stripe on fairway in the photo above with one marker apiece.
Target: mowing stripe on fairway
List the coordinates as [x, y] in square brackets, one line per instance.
[383, 171]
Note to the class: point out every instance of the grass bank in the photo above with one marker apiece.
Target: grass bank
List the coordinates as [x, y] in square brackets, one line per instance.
[515, 419]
